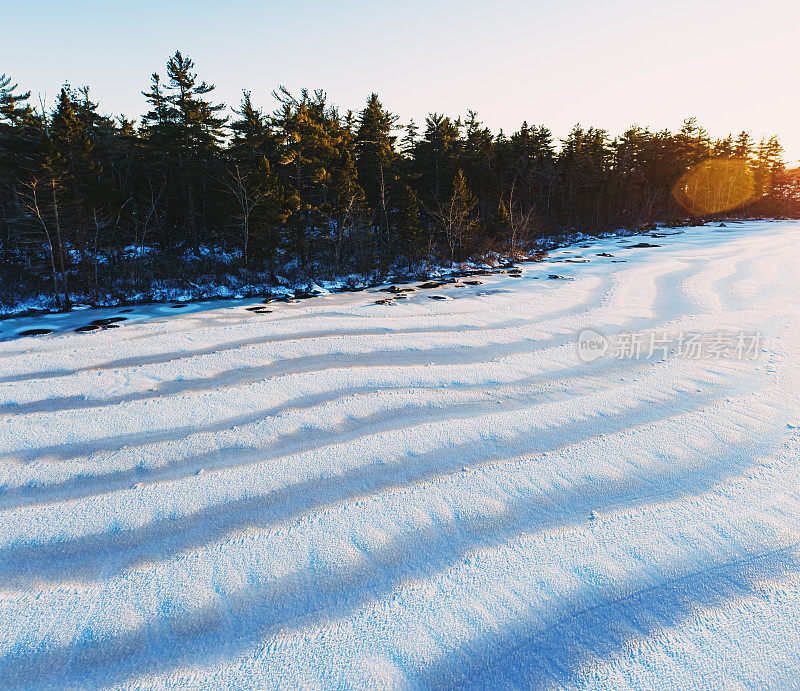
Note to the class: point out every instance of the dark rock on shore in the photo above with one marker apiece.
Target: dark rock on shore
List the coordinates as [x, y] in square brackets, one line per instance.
[108, 321]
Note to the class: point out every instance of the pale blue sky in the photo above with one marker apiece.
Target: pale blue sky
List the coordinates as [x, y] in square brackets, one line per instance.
[608, 63]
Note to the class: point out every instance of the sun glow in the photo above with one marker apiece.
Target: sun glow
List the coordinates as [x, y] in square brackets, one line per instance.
[715, 185]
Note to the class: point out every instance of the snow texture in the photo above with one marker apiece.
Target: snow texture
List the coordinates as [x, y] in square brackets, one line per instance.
[421, 493]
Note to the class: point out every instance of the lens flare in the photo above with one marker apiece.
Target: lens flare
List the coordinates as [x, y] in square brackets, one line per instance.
[715, 185]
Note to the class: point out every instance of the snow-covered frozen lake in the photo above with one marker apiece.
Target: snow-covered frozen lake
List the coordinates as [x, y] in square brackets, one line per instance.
[428, 494]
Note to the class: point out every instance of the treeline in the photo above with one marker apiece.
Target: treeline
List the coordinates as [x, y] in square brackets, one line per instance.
[102, 209]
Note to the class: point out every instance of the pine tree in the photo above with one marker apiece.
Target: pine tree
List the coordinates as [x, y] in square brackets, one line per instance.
[410, 138]
[525, 170]
[250, 178]
[583, 166]
[458, 219]
[308, 149]
[376, 160]
[743, 146]
[348, 209]
[20, 138]
[409, 225]
[694, 144]
[13, 106]
[253, 138]
[437, 157]
[478, 162]
[768, 169]
[75, 170]
[185, 128]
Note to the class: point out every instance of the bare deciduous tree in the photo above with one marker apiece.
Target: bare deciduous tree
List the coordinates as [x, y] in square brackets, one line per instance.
[51, 227]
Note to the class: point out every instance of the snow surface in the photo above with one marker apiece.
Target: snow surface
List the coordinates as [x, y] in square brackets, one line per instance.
[427, 494]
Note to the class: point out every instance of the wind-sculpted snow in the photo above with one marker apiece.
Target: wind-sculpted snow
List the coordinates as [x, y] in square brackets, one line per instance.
[423, 493]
